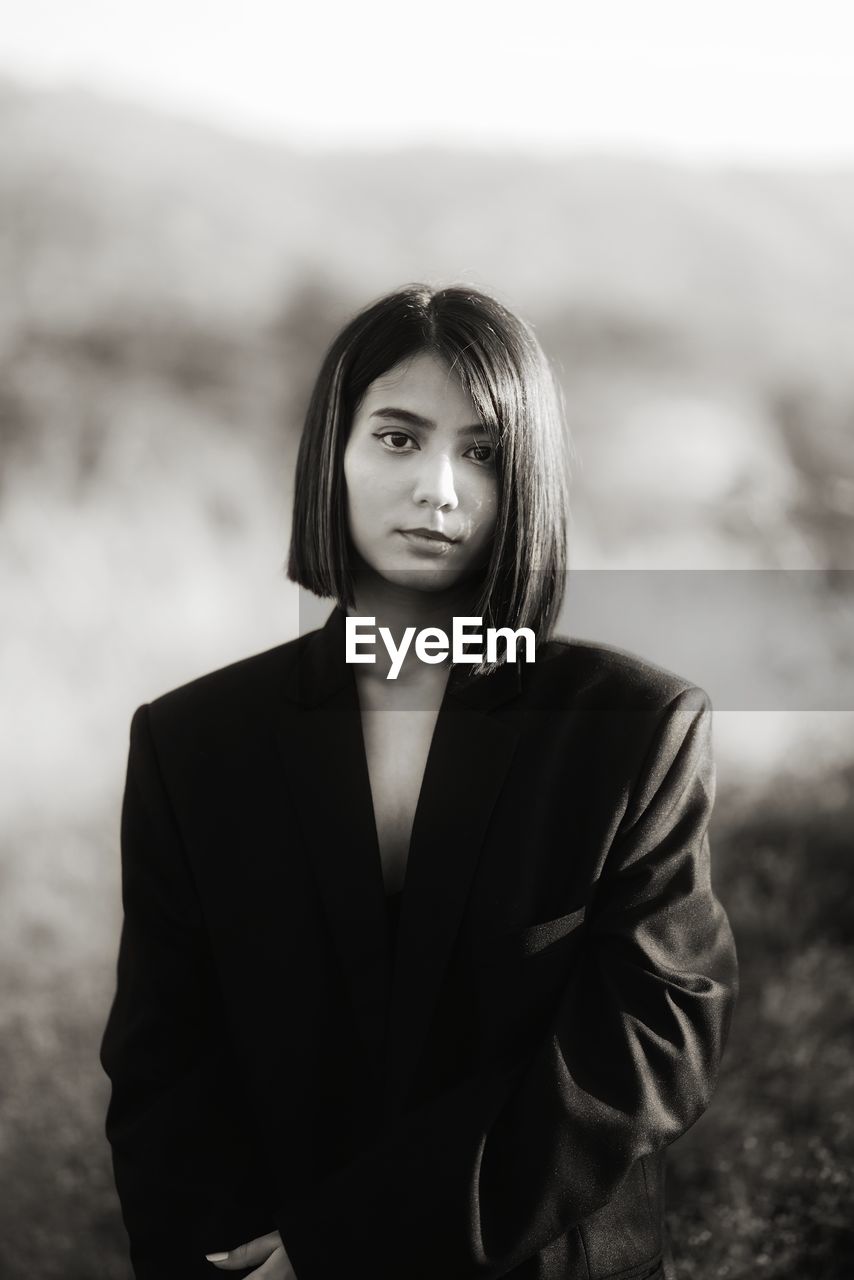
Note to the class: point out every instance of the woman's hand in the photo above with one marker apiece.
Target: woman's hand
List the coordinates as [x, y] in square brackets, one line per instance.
[268, 1251]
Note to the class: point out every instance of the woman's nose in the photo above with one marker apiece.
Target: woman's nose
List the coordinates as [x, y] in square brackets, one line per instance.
[435, 483]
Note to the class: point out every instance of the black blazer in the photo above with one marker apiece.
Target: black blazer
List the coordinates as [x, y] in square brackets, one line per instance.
[500, 1103]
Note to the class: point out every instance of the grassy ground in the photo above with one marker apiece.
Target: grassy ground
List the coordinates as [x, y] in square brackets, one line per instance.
[761, 1186]
[58, 1212]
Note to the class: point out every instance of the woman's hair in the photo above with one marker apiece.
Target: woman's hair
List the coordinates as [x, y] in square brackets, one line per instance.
[502, 367]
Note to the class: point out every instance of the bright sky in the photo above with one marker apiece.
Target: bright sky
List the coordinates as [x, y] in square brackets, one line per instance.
[765, 80]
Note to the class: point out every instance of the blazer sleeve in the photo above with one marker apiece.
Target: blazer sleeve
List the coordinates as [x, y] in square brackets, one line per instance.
[487, 1174]
[186, 1169]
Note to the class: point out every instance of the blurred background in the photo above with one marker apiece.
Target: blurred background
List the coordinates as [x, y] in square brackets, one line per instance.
[193, 198]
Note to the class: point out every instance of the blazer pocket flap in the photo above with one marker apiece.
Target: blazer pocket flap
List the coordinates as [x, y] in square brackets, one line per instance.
[532, 940]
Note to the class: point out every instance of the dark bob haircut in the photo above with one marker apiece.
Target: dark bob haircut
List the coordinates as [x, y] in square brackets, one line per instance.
[502, 367]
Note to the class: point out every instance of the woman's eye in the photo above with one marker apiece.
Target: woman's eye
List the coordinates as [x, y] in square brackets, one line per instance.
[395, 440]
[480, 452]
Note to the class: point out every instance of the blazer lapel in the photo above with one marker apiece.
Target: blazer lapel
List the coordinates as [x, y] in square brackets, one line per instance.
[468, 761]
[325, 759]
[323, 750]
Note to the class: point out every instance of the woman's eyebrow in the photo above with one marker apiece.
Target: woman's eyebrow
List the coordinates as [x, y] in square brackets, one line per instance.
[416, 420]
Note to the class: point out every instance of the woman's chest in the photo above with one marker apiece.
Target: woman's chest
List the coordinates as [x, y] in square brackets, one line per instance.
[397, 744]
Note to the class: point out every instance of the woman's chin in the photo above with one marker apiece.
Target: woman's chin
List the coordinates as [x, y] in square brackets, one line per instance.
[432, 580]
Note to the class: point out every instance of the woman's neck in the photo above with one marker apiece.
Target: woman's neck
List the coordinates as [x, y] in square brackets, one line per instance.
[397, 607]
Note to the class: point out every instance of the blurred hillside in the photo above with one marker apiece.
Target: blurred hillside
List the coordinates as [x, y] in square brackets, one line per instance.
[108, 206]
[136, 249]
[136, 245]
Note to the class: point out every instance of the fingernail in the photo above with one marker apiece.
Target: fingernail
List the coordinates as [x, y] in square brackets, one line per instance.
[217, 1257]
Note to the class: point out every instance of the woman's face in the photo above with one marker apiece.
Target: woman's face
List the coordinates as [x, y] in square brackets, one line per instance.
[418, 463]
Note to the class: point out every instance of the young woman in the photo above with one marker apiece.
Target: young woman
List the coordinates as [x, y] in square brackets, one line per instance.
[299, 1088]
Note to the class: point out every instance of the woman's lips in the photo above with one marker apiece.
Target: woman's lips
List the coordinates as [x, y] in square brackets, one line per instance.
[432, 543]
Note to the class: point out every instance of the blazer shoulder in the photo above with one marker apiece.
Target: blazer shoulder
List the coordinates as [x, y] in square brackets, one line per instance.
[227, 695]
[596, 676]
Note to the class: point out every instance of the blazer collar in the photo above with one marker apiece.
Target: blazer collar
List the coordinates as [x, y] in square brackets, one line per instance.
[326, 767]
